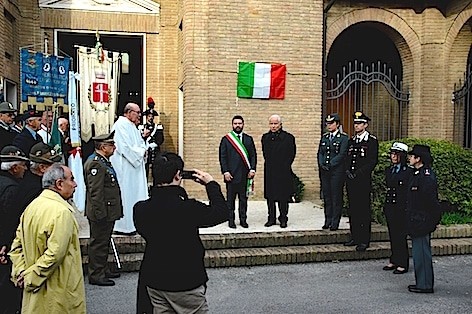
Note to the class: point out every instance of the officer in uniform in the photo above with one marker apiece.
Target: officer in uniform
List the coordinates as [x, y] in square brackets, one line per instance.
[7, 116]
[397, 177]
[332, 153]
[423, 214]
[103, 208]
[362, 157]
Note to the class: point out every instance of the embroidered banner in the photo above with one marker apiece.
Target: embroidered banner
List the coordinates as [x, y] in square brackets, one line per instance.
[43, 75]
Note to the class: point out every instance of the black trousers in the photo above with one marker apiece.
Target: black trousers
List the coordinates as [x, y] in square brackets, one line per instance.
[332, 183]
[396, 222]
[100, 234]
[283, 209]
[9, 294]
[233, 190]
[360, 211]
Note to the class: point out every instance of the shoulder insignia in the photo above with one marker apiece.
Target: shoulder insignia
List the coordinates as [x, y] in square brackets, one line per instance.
[344, 133]
[96, 158]
[326, 134]
[373, 136]
[93, 171]
[427, 172]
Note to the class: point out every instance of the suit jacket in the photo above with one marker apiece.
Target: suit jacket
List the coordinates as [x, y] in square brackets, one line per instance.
[232, 162]
[6, 135]
[25, 140]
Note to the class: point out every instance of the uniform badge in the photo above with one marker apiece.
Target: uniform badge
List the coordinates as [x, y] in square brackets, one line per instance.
[427, 172]
[93, 172]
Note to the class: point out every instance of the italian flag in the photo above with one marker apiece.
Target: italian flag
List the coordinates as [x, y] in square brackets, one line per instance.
[261, 80]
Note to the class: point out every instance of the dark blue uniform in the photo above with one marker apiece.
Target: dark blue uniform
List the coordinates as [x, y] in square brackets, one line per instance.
[361, 161]
[397, 178]
[332, 154]
[423, 215]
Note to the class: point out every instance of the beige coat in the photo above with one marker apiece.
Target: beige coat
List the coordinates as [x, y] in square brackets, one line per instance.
[47, 249]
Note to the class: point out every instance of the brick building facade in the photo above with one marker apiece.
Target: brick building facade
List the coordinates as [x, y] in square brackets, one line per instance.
[192, 49]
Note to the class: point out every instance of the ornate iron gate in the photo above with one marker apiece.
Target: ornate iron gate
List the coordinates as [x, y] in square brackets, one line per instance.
[461, 98]
[373, 89]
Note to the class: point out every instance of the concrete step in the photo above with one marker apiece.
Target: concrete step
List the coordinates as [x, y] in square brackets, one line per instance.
[264, 248]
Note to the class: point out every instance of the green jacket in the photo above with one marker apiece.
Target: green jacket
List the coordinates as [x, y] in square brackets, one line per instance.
[103, 198]
[332, 154]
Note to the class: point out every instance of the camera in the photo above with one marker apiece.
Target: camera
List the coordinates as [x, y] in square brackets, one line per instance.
[188, 174]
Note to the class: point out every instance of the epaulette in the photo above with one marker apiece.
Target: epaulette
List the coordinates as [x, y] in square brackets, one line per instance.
[326, 133]
[344, 133]
[373, 136]
[96, 158]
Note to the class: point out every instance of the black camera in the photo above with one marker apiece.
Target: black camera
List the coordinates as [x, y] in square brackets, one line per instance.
[188, 174]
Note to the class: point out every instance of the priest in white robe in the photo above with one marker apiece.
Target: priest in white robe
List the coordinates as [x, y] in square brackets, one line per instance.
[129, 164]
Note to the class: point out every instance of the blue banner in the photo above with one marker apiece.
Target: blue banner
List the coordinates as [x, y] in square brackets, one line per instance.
[43, 75]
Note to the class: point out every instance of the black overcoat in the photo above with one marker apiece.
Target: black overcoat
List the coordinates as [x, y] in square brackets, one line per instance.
[279, 151]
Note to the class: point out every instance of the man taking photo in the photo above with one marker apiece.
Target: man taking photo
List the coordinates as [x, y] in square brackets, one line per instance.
[173, 269]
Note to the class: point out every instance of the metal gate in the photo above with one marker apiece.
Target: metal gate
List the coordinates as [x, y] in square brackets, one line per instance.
[374, 90]
[461, 98]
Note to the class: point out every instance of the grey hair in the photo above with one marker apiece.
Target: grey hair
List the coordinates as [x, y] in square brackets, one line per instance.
[129, 107]
[279, 118]
[54, 173]
[34, 165]
[6, 166]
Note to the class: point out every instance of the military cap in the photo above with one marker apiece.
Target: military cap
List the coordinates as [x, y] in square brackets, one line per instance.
[44, 154]
[150, 111]
[399, 147]
[360, 117]
[422, 151]
[32, 114]
[7, 107]
[334, 117]
[12, 153]
[105, 138]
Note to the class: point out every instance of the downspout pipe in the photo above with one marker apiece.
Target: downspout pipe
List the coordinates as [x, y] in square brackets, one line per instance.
[323, 65]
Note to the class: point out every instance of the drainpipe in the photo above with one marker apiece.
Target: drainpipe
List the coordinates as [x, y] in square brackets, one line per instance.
[323, 65]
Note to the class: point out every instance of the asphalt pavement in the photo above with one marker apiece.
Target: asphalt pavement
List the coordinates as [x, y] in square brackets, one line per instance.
[332, 287]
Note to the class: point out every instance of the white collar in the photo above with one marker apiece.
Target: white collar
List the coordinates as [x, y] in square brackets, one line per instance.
[363, 137]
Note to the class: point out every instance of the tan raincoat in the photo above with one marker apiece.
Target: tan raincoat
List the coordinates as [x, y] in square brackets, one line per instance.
[47, 249]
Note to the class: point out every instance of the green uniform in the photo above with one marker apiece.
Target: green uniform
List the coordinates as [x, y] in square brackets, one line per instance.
[103, 207]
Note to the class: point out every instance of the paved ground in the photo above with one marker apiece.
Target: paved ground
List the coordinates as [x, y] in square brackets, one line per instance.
[344, 287]
[302, 216]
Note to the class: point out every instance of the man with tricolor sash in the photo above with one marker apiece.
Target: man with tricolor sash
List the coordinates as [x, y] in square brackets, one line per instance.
[238, 160]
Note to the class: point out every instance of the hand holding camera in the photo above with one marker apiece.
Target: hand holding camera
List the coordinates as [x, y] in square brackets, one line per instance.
[197, 175]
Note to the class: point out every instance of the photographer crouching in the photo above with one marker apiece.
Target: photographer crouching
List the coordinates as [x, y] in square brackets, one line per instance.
[172, 269]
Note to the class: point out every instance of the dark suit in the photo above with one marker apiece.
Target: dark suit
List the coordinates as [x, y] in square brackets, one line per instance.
[396, 179]
[422, 214]
[232, 162]
[331, 162]
[103, 207]
[361, 161]
[279, 152]
[25, 140]
[6, 135]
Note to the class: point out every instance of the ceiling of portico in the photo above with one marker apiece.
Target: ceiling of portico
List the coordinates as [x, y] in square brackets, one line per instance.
[123, 6]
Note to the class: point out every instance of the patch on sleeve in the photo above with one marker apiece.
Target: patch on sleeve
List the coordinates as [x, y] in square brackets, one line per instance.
[93, 171]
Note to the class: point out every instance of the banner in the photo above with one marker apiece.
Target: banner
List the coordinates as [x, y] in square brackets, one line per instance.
[43, 75]
[99, 73]
[74, 124]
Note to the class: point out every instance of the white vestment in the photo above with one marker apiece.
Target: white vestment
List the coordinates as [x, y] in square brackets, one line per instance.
[128, 162]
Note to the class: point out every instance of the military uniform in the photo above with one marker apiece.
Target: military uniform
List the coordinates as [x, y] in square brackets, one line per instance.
[332, 152]
[396, 179]
[361, 160]
[103, 207]
[423, 214]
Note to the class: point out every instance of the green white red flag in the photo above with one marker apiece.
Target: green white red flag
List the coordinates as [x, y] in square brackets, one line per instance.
[261, 80]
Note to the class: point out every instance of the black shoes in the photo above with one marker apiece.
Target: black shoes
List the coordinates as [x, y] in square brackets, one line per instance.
[387, 267]
[361, 247]
[244, 224]
[283, 225]
[350, 243]
[415, 289]
[112, 275]
[269, 223]
[333, 228]
[231, 224]
[102, 282]
[325, 227]
[400, 271]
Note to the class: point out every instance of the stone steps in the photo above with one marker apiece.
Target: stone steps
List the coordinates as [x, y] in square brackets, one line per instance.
[265, 248]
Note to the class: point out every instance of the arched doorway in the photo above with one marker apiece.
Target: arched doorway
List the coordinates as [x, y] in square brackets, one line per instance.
[364, 72]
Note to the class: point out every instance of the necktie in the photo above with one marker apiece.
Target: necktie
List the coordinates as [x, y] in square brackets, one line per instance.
[331, 136]
[239, 137]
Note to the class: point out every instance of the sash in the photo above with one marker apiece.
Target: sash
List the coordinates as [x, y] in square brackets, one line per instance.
[242, 151]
